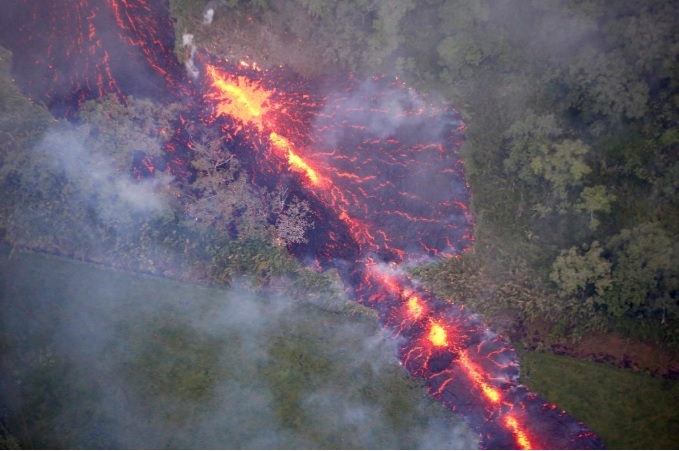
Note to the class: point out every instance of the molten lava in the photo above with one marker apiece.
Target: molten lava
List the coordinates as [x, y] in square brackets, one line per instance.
[367, 182]
[238, 97]
[492, 394]
[376, 161]
[296, 162]
[438, 335]
[415, 308]
[521, 437]
[251, 104]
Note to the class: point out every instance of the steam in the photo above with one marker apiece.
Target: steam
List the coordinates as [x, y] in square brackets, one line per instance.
[400, 147]
[119, 346]
[191, 68]
[382, 111]
[208, 15]
[243, 399]
[95, 176]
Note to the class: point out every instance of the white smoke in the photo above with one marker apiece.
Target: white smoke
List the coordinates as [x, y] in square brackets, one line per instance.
[191, 69]
[207, 16]
[382, 112]
[96, 175]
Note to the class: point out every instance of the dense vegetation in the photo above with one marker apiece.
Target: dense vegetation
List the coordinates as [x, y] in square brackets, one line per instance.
[573, 138]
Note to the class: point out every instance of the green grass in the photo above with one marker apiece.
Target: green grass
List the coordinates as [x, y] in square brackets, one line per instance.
[628, 410]
[96, 358]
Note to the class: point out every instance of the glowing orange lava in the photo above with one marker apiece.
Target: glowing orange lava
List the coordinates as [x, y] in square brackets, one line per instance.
[492, 394]
[438, 335]
[296, 162]
[249, 102]
[415, 307]
[388, 193]
[519, 433]
[239, 97]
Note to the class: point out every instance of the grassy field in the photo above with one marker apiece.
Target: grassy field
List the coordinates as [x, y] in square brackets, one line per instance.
[628, 410]
[96, 358]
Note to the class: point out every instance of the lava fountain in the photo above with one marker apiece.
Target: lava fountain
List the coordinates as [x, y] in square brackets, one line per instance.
[377, 162]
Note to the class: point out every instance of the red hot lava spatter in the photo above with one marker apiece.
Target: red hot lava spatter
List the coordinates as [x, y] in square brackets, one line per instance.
[384, 163]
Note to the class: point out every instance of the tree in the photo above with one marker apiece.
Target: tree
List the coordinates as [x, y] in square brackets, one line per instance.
[525, 139]
[118, 128]
[562, 165]
[646, 36]
[582, 272]
[582, 276]
[457, 52]
[604, 84]
[386, 36]
[539, 159]
[595, 199]
[645, 273]
[220, 197]
[293, 222]
[21, 123]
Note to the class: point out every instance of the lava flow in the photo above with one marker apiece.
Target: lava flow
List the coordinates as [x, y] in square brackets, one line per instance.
[377, 163]
[384, 176]
[382, 164]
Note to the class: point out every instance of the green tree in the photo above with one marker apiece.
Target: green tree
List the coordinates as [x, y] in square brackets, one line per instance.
[604, 84]
[386, 36]
[526, 139]
[582, 276]
[563, 166]
[645, 273]
[465, 48]
[118, 128]
[646, 36]
[458, 54]
[595, 199]
[220, 195]
[22, 122]
[582, 273]
[540, 159]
